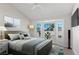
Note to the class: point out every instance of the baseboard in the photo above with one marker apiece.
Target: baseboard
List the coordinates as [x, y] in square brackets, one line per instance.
[75, 53]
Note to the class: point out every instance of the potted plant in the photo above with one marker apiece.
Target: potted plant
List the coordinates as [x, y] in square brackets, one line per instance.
[47, 35]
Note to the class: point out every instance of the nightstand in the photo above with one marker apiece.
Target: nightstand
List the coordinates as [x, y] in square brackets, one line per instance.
[3, 46]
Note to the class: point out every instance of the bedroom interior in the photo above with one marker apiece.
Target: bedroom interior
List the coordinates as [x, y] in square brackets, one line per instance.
[39, 28]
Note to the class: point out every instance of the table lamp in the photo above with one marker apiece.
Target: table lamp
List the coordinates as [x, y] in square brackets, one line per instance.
[2, 28]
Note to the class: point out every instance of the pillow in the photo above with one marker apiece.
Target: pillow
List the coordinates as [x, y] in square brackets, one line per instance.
[25, 35]
[21, 36]
[14, 36]
[27, 38]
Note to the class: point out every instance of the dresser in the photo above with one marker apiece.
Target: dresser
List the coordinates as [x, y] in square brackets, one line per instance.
[3, 47]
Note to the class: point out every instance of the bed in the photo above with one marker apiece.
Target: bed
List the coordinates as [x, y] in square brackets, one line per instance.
[31, 46]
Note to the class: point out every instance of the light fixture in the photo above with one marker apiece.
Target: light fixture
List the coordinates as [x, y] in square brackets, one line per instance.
[31, 26]
[36, 5]
[2, 28]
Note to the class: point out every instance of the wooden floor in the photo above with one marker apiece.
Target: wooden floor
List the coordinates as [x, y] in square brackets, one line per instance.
[68, 51]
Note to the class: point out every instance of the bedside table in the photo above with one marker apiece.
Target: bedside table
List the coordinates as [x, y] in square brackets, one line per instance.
[3, 46]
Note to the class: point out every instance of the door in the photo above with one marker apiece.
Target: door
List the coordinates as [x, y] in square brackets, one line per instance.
[59, 33]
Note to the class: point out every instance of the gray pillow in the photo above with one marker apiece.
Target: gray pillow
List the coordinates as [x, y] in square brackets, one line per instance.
[14, 36]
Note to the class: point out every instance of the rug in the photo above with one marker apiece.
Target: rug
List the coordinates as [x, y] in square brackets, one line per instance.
[56, 50]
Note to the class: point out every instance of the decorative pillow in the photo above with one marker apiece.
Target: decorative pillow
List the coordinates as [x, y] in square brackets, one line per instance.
[25, 35]
[21, 36]
[14, 36]
[27, 38]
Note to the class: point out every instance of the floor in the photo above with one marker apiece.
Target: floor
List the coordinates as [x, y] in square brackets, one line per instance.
[68, 51]
[56, 51]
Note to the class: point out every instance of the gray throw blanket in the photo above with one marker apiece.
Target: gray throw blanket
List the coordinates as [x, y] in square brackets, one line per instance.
[29, 47]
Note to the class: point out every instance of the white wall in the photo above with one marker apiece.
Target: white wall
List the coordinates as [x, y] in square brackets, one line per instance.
[67, 26]
[9, 10]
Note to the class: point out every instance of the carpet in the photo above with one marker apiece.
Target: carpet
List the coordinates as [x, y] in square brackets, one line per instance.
[56, 50]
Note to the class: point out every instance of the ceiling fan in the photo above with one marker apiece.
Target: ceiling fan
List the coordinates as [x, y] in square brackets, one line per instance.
[37, 5]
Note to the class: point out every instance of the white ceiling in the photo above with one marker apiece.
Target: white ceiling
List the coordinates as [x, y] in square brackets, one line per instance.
[44, 10]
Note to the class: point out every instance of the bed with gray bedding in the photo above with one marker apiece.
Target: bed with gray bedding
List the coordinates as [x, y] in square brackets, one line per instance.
[25, 45]
[33, 46]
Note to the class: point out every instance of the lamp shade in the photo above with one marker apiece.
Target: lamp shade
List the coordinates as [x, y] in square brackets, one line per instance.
[2, 28]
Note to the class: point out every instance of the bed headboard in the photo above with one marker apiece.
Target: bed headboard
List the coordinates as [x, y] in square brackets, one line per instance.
[10, 32]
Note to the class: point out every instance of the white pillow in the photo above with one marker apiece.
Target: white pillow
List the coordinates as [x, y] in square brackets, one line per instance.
[21, 37]
[27, 38]
[13, 36]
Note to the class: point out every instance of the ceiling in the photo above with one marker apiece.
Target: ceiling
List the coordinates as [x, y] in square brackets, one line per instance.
[41, 11]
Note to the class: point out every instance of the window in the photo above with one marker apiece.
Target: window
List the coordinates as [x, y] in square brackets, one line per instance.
[38, 27]
[48, 27]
